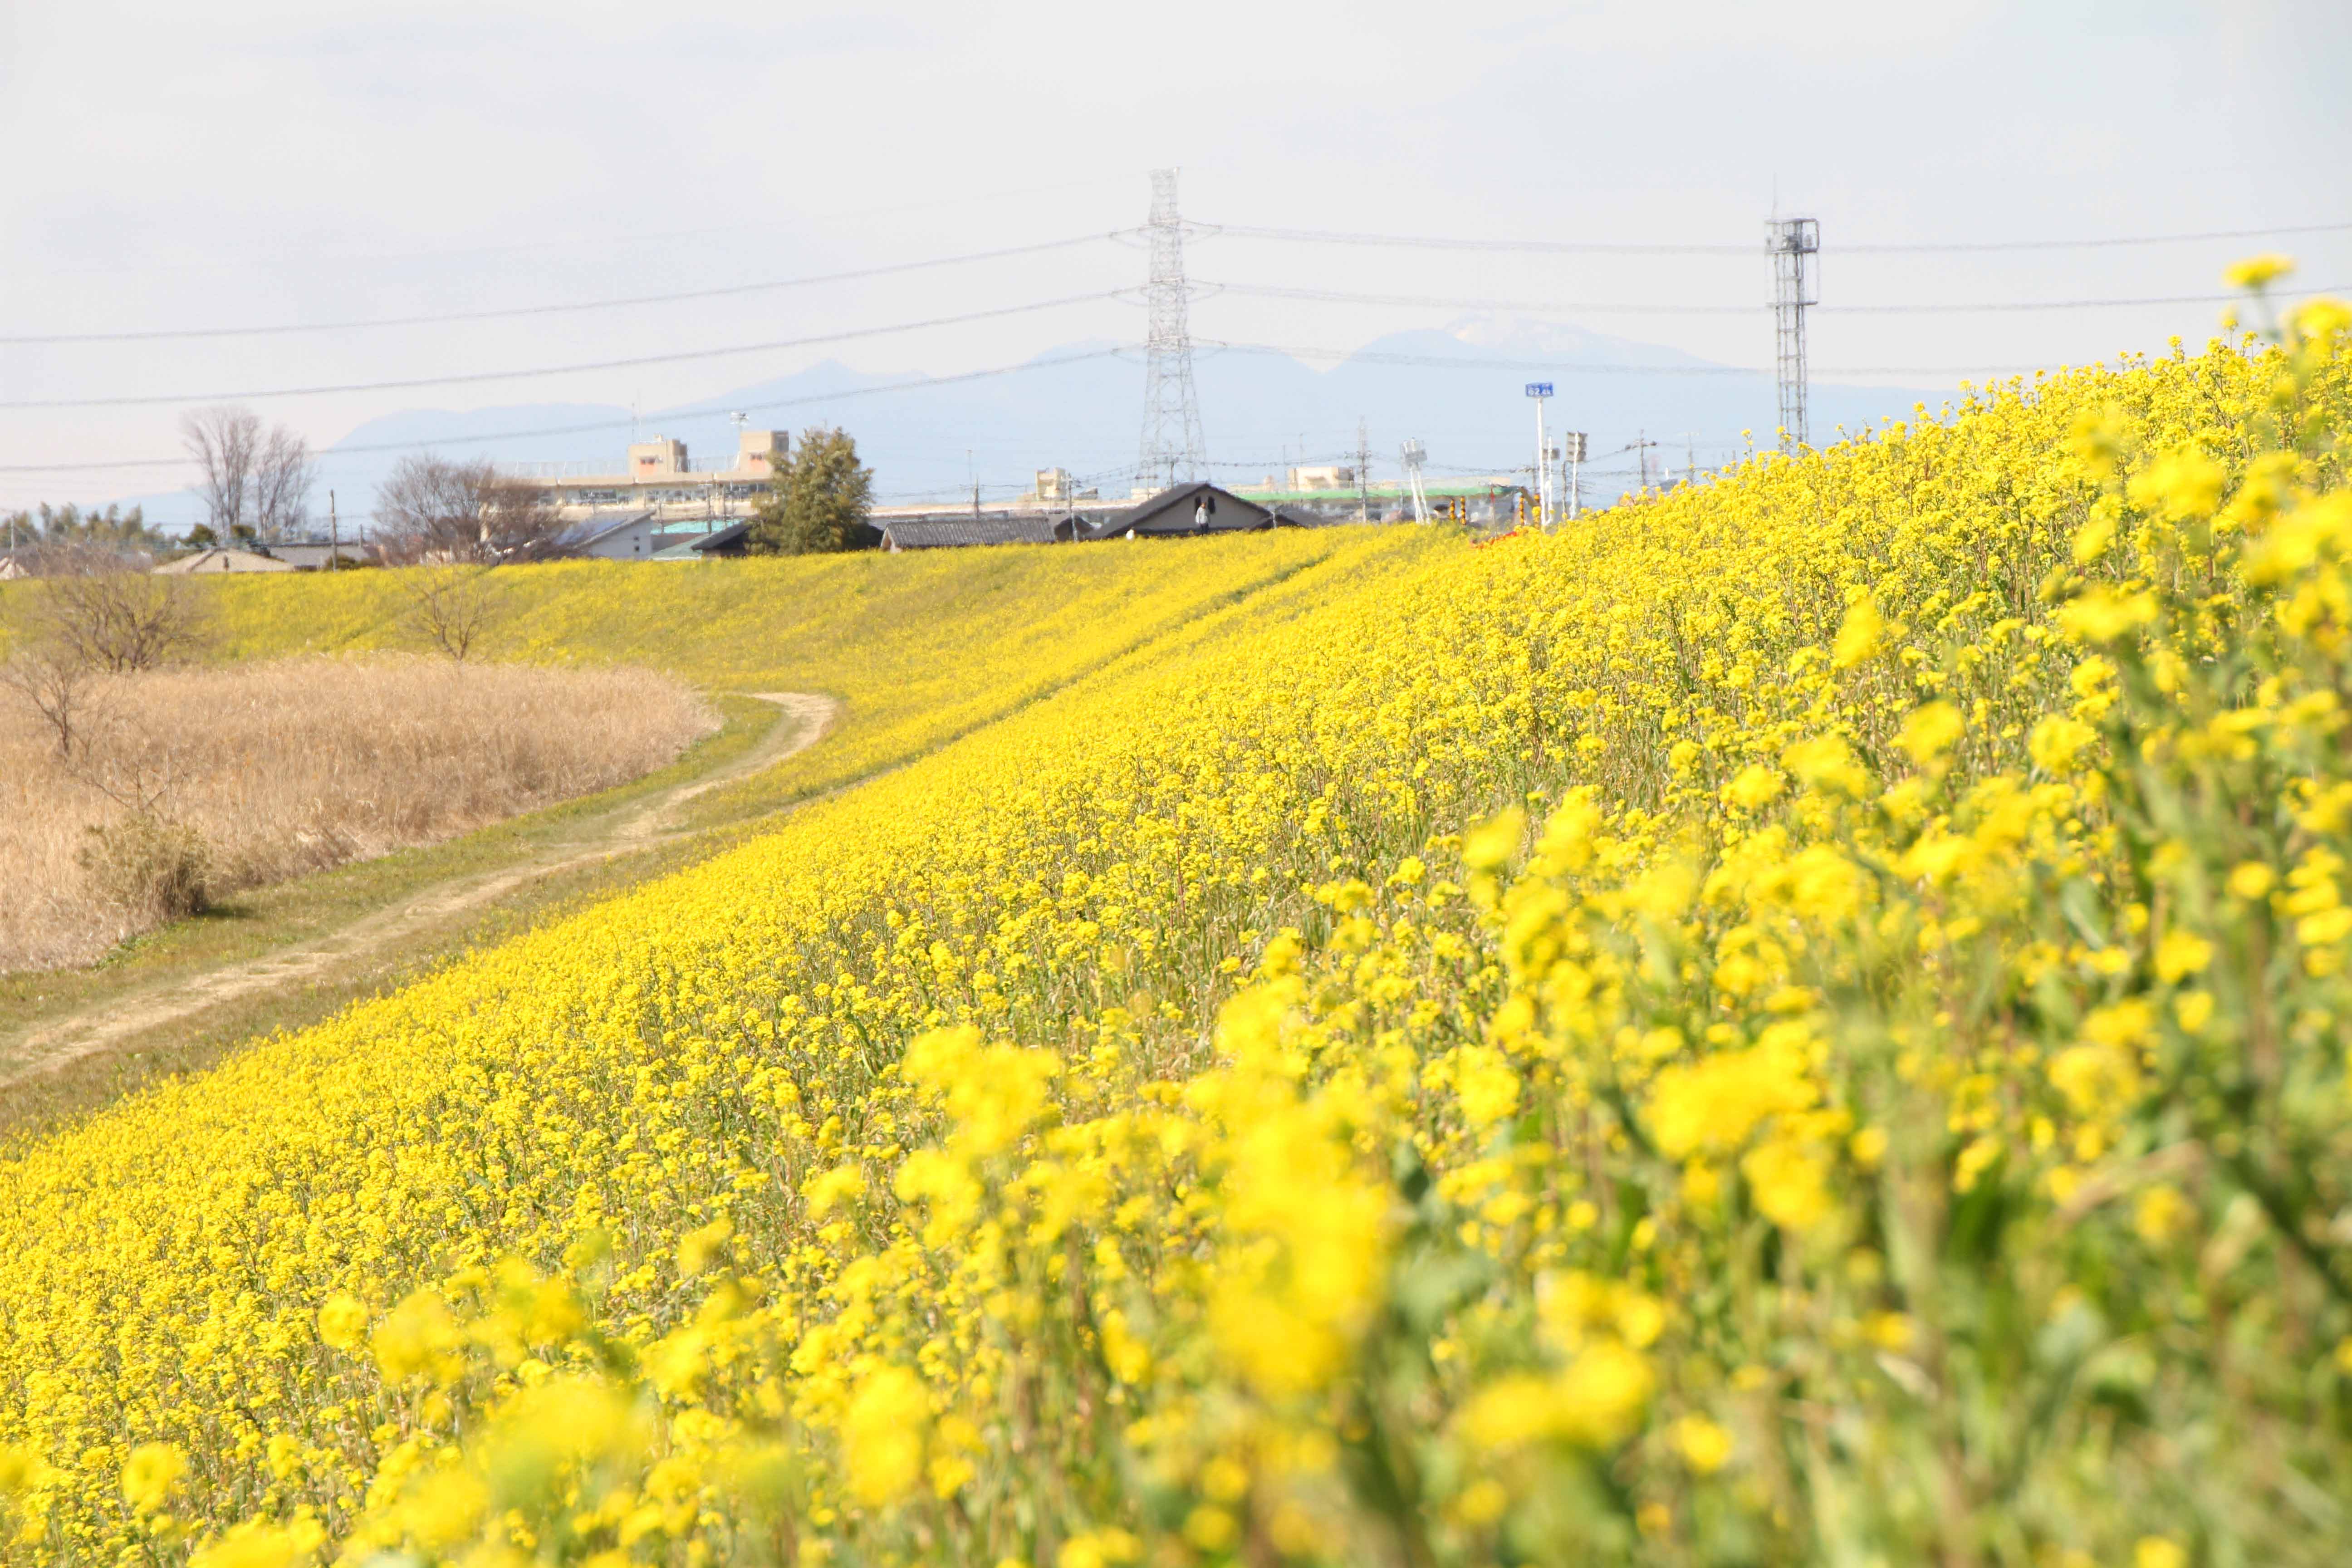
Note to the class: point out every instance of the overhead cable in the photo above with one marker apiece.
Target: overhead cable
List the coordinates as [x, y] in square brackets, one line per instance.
[623, 302]
[1450, 242]
[1338, 296]
[1469, 362]
[1605, 247]
[597, 426]
[478, 376]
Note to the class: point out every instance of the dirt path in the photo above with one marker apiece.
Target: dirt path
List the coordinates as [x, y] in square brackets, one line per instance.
[639, 825]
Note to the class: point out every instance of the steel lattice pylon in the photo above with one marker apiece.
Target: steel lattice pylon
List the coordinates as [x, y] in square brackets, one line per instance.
[1172, 446]
[1792, 242]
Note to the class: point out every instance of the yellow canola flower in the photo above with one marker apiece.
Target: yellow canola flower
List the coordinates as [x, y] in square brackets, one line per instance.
[2257, 272]
[1704, 1447]
[1929, 730]
[1593, 1403]
[2181, 484]
[2105, 615]
[882, 1435]
[343, 1321]
[2058, 743]
[1712, 1105]
[152, 1477]
[1858, 634]
[257, 1545]
[992, 1094]
[1790, 1180]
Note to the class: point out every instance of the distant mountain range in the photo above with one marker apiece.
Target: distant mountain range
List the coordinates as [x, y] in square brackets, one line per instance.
[1458, 390]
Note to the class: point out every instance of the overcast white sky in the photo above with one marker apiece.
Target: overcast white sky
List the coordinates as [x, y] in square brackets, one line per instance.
[242, 164]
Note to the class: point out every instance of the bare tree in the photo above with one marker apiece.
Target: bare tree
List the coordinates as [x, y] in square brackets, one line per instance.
[98, 610]
[61, 689]
[282, 486]
[523, 523]
[453, 606]
[434, 509]
[226, 443]
[427, 510]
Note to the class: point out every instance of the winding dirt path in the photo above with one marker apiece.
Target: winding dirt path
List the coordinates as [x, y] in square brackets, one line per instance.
[639, 825]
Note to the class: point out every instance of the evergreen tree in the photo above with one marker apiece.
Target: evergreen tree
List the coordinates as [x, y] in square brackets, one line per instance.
[819, 500]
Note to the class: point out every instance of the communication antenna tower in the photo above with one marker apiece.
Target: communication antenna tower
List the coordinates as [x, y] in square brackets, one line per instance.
[1415, 455]
[1792, 242]
[1172, 448]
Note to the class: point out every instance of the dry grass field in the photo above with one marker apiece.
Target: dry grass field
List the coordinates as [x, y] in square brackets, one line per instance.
[194, 782]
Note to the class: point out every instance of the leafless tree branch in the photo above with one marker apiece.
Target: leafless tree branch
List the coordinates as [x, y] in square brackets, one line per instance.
[432, 510]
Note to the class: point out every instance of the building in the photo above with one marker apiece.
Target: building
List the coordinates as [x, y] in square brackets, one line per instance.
[734, 539]
[222, 558]
[1185, 511]
[660, 478]
[312, 555]
[622, 534]
[1321, 477]
[1054, 486]
[1489, 501]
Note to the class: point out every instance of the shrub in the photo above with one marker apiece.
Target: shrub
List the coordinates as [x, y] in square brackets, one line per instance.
[149, 867]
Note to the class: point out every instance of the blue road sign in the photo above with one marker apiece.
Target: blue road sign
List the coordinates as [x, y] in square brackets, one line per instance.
[1538, 389]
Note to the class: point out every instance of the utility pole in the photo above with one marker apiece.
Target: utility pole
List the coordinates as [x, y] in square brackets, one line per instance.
[1573, 444]
[334, 536]
[1642, 445]
[1540, 390]
[1363, 471]
[1172, 444]
[1791, 242]
[1690, 458]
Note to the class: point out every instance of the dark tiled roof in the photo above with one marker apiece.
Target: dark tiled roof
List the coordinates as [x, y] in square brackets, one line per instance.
[949, 530]
[1170, 512]
[728, 541]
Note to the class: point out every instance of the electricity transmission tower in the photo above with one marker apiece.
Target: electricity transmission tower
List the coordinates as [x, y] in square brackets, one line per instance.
[1172, 446]
[1415, 455]
[1792, 242]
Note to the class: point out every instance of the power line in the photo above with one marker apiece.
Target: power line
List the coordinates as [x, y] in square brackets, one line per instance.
[1379, 356]
[1467, 361]
[623, 302]
[1438, 242]
[1964, 246]
[478, 376]
[1436, 301]
[1593, 248]
[599, 426]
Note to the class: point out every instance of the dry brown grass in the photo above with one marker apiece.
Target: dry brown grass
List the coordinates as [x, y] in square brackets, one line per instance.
[293, 765]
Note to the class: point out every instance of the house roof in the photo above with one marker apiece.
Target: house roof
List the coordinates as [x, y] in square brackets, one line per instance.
[315, 551]
[731, 539]
[597, 524]
[727, 541]
[222, 558]
[1171, 512]
[949, 529]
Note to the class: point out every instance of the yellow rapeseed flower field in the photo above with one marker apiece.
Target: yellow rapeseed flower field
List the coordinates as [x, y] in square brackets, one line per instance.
[919, 647]
[1801, 1021]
